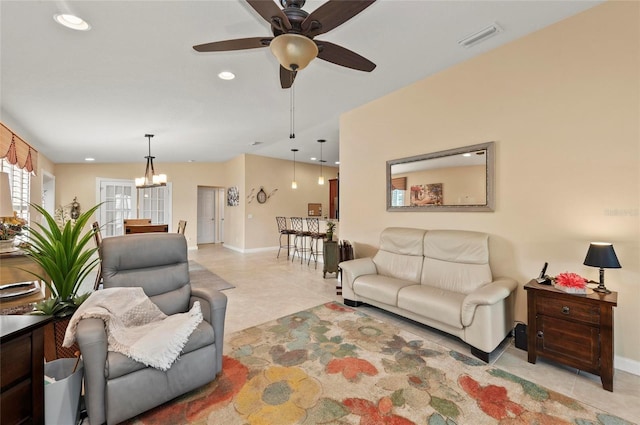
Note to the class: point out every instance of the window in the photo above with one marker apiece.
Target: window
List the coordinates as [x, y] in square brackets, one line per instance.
[20, 183]
[397, 198]
[118, 202]
[122, 200]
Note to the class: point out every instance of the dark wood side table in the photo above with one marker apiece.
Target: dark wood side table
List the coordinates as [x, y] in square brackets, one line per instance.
[22, 369]
[576, 330]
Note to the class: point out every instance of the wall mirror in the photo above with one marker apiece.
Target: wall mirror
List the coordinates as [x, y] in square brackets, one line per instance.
[459, 179]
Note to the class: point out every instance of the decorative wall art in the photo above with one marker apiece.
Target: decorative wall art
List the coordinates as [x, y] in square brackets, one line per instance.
[426, 194]
[261, 196]
[233, 196]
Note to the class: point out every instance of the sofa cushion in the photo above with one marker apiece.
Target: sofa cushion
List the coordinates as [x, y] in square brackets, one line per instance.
[456, 260]
[380, 288]
[435, 303]
[457, 246]
[405, 267]
[456, 277]
[403, 240]
[119, 365]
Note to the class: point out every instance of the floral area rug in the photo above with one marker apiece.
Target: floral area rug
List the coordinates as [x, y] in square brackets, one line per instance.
[334, 365]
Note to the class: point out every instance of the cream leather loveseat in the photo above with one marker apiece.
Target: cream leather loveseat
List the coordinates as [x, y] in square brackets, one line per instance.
[440, 278]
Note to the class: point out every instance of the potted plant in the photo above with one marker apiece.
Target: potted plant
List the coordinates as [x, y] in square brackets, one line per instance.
[331, 225]
[65, 261]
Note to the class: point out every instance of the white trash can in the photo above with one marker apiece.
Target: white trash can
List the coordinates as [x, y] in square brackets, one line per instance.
[62, 397]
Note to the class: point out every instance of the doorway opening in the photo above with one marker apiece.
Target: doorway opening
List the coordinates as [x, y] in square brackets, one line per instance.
[210, 214]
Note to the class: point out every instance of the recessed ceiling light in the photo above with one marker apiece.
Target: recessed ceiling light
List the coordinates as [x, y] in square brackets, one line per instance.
[72, 21]
[89, 159]
[313, 158]
[226, 75]
[466, 154]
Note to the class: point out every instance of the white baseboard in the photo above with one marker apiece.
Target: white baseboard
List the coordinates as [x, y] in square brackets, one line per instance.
[628, 365]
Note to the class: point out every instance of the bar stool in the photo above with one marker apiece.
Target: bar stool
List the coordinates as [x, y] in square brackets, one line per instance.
[313, 226]
[284, 231]
[300, 241]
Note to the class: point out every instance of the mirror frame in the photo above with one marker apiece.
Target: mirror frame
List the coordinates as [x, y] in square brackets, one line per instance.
[490, 173]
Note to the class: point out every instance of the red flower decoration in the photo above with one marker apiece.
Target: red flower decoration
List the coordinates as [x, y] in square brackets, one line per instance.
[370, 414]
[351, 367]
[337, 307]
[492, 399]
[571, 280]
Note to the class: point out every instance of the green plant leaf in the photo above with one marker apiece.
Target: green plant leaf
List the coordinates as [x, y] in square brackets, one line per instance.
[65, 257]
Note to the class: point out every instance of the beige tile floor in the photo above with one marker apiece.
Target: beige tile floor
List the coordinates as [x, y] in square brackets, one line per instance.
[267, 288]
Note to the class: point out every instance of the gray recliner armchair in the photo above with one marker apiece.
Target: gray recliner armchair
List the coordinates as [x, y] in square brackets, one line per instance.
[117, 387]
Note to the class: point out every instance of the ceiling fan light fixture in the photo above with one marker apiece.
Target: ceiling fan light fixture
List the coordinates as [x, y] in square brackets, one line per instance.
[293, 51]
[72, 21]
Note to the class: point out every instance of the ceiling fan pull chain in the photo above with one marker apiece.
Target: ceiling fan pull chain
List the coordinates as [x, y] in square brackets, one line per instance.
[292, 129]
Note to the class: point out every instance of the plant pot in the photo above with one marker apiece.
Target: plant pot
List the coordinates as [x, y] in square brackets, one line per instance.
[53, 337]
[6, 245]
[329, 236]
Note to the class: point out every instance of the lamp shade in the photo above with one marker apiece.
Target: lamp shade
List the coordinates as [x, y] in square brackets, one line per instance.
[601, 254]
[6, 204]
[293, 51]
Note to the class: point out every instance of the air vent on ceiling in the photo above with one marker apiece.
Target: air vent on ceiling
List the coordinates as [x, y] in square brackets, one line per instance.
[481, 35]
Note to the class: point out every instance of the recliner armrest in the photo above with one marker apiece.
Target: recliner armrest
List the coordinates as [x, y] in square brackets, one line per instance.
[352, 269]
[211, 301]
[213, 304]
[92, 340]
[489, 294]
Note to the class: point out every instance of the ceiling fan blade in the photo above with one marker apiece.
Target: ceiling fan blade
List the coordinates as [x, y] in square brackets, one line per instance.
[237, 44]
[286, 77]
[343, 57]
[332, 14]
[271, 13]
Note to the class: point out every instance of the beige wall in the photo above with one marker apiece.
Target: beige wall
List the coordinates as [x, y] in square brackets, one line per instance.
[563, 106]
[247, 172]
[277, 174]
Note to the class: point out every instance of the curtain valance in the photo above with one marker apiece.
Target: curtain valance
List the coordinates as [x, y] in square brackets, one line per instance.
[17, 151]
[399, 183]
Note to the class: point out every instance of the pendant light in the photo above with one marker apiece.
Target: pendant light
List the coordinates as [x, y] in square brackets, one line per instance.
[321, 178]
[150, 179]
[294, 184]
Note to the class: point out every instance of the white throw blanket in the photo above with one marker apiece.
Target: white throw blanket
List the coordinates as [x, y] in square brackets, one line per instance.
[136, 327]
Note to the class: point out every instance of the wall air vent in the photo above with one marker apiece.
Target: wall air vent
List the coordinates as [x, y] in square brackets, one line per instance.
[483, 34]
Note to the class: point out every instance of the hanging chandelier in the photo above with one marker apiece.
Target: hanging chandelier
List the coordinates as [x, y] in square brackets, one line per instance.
[150, 179]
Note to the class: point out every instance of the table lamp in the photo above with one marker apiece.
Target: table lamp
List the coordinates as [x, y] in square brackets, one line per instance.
[602, 255]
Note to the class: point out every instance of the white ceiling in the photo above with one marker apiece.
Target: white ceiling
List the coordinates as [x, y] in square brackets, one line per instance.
[95, 94]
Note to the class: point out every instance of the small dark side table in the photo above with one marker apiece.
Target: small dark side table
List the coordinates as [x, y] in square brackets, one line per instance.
[22, 369]
[575, 330]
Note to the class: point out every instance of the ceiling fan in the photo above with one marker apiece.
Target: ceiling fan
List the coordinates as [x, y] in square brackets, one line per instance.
[294, 30]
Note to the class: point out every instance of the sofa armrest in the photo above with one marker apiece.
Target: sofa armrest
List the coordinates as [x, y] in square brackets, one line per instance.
[353, 268]
[213, 304]
[489, 294]
[92, 340]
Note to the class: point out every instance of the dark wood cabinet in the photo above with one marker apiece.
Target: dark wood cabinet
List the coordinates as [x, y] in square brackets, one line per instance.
[22, 369]
[575, 330]
[334, 198]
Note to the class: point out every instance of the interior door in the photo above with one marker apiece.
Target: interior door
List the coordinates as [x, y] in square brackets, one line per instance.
[206, 215]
